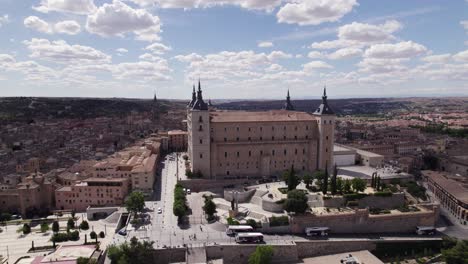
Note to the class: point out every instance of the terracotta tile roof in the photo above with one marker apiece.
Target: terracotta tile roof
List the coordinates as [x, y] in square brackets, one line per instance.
[453, 187]
[263, 116]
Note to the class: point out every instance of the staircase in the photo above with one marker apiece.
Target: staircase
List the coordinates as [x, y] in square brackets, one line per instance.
[195, 255]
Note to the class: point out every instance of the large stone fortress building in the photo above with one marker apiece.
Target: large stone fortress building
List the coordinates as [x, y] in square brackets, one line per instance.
[241, 144]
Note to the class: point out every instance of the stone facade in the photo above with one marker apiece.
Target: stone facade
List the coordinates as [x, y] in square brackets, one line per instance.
[241, 144]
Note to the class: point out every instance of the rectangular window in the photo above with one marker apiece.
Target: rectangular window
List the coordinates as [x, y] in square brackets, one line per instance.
[237, 138]
[250, 153]
[273, 152]
[225, 154]
[201, 141]
[295, 151]
[249, 138]
[225, 139]
[237, 153]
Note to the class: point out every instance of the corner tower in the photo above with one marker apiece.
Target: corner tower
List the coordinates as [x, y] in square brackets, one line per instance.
[198, 120]
[326, 126]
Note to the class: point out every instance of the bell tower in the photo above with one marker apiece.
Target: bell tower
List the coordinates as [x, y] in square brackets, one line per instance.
[326, 126]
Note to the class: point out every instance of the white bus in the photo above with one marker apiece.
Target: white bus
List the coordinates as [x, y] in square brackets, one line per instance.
[234, 229]
[425, 230]
[249, 238]
[317, 231]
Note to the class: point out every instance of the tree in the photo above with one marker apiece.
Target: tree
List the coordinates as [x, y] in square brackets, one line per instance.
[325, 180]
[377, 183]
[135, 202]
[101, 234]
[44, 227]
[70, 223]
[73, 213]
[26, 229]
[457, 254]
[261, 255]
[347, 186]
[319, 177]
[135, 252]
[93, 235]
[291, 179]
[339, 185]
[84, 225]
[334, 180]
[55, 227]
[5, 217]
[252, 223]
[359, 185]
[179, 209]
[296, 202]
[209, 207]
[307, 180]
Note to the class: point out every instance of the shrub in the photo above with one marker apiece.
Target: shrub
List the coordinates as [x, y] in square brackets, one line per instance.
[5, 217]
[101, 234]
[84, 225]
[296, 202]
[232, 221]
[55, 226]
[62, 237]
[353, 203]
[188, 173]
[279, 221]
[252, 223]
[26, 229]
[282, 201]
[93, 235]
[44, 227]
[354, 196]
[70, 223]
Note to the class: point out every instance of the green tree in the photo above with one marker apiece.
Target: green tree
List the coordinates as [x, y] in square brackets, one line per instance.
[102, 234]
[93, 235]
[179, 209]
[135, 252]
[296, 202]
[325, 180]
[70, 223]
[307, 180]
[377, 183]
[252, 223]
[84, 225]
[334, 180]
[135, 202]
[261, 255]
[5, 217]
[339, 185]
[55, 227]
[347, 186]
[359, 185]
[318, 177]
[210, 207]
[291, 179]
[457, 254]
[44, 227]
[26, 229]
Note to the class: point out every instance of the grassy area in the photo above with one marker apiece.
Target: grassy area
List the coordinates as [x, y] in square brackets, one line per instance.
[284, 190]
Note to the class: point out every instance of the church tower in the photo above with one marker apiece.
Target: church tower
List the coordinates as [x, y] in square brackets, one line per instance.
[326, 126]
[288, 105]
[198, 121]
[155, 107]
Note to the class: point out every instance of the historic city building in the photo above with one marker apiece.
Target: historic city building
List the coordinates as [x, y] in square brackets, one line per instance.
[242, 144]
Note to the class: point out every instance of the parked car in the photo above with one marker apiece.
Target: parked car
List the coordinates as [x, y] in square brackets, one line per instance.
[159, 210]
[122, 232]
[188, 191]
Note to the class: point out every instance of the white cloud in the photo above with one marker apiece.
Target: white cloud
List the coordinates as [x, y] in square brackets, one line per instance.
[464, 24]
[345, 53]
[189, 58]
[81, 7]
[368, 33]
[276, 55]
[314, 65]
[69, 27]
[158, 48]
[4, 20]
[33, 22]
[117, 19]
[274, 67]
[145, 70]
[265, 44]
[61, 52]
[121, 50]
[307, 12]
[461, 56]
[382, 65]
[150, 57]
[267, 5]
[315, 54]
[442, 58]
[398, 50]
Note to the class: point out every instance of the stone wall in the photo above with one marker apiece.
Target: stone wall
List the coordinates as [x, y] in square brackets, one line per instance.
[242, 196]
[169, 255]
[306, 249]
[238, 254]
[217, 186]
[382, 202]
[272, 206]
[360, 221]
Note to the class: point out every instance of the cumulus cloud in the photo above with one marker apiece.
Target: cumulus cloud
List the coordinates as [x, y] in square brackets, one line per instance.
[81, 7]
[158, 48]
[306, 12]
[274, 67]
[148, 71]
[442, 58]
[3, 20]
[265, 44]
[315, 65]
[69, 27]
[461, 56]
[464, 24]
[267, 5]
[61, 52]
[150, 57]
[118, 19]
[399, 50]
[369, 33]
[33, 22]
[315, 55]
[345, 53]
[275, 55]
[382, 65]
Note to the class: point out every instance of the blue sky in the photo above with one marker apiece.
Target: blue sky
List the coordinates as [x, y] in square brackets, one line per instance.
[240, 49]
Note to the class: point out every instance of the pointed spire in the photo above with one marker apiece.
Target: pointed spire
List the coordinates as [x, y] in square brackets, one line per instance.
[194, 97]
[288, 105]
[324, 108]
[155, 98]
[324, 97]
[199, 103]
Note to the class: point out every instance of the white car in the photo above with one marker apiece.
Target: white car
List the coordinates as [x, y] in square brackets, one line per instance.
[159, 210]
[188, 191]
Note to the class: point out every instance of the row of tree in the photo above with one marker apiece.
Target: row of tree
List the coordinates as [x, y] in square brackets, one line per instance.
[180, 208]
